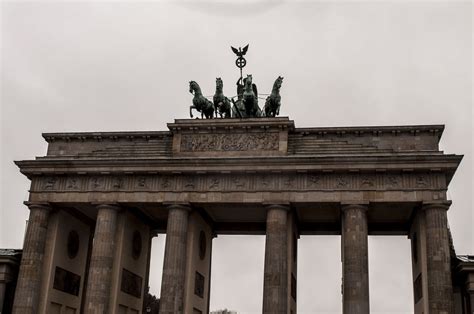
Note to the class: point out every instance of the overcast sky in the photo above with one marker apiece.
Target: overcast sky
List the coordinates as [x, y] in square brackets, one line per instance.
[108, 66]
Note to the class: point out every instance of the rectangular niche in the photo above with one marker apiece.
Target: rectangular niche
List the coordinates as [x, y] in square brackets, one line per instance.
[199, 285]
[131, 283]
[66, 281]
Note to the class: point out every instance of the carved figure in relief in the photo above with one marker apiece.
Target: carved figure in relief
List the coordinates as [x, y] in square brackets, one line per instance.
[142, 182]
[239, 184]
[367, 181]
[189, 183]
[229, 142]
[273, 102]
[289, 182]
[221, 103]
[50, 183]
[118, 183]
[341, 182]
[72, 183]
[165, 183]
[200, 103]
[96, 182]
[392, 181]
[214, 184]
[421, 181]
[314, 180]
[265, 182]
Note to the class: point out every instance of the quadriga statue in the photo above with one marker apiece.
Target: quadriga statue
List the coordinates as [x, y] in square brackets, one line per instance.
[200, 103]
[273, 102]
[221, 103]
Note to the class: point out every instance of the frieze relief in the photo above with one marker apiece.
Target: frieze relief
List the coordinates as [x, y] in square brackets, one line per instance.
[230, 142]
[226, 182]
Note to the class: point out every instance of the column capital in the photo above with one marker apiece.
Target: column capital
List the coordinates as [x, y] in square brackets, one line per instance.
[469, 282]
[361, 205]
[282, 206]
[113, 206]
[38, 205]
[181, 206]
[436, 205]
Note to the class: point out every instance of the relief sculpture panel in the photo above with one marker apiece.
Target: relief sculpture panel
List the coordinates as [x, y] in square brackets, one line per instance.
[230, 142]
[226, 182]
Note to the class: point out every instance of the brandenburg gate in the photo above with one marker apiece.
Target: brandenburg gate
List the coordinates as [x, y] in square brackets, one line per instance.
[97, 199]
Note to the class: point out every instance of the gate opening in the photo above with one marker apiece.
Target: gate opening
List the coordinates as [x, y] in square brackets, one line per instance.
[237, 273]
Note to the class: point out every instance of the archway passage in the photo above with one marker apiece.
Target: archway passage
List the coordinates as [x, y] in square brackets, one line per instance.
[390, 274]
[319, 266]
[228, 176]
[237, 273]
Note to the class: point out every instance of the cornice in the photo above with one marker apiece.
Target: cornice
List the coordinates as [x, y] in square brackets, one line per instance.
[350, 163]
[100, 136]
[436, 129]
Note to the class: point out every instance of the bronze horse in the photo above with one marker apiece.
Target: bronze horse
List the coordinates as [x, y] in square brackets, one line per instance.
[200, 103]
[250, 98]
[273, 102]
[221, 103]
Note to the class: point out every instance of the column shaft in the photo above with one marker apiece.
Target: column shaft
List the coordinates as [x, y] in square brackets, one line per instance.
[355, 260]
[3, 287]
[440, 287]
[102, 260]
[29, 278]
[275, 284]
[174, 264]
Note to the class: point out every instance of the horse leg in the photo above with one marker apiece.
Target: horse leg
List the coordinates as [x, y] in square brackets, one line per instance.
[191, 110]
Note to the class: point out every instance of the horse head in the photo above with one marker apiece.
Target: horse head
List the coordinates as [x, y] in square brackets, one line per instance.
[193, 86]
[278, 82]
[219, 84]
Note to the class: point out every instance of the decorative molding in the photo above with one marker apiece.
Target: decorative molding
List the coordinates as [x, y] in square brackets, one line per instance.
[240, 182]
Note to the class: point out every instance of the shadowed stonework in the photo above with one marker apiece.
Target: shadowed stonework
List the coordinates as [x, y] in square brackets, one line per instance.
[208, 177]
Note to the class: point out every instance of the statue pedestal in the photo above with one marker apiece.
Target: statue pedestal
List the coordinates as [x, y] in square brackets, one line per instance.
[230, 137]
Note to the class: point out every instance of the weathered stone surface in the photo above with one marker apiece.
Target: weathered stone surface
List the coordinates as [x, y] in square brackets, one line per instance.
[275, 283]
[229, 142]
[229, 169]
[30, 275]
[174, 264]
[236, 182]
[440, 287]
[355, 260]
[102, 260]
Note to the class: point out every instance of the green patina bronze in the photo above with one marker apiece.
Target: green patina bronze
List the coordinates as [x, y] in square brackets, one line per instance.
[273, 102]
[250, 98]
[221, 103]
[246, 104]
[200, 103]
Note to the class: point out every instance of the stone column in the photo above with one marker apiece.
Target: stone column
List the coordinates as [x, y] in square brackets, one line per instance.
[29, 278]
[174, 264]
[438, 259]
[3, 286]
[275, 283]
[470, 293]
[102, 260]
[355, 291]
